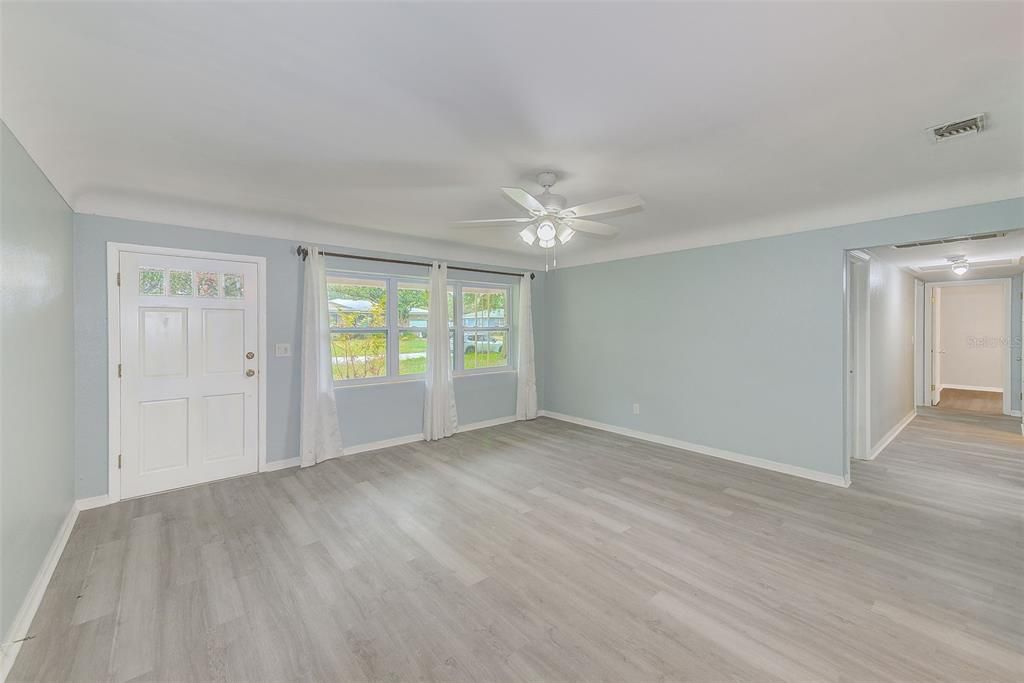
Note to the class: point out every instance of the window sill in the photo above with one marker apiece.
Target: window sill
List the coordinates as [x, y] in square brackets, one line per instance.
[378, 381]
[484, 371]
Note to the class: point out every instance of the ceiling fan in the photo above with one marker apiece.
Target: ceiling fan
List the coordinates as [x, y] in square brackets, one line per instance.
[550, 222]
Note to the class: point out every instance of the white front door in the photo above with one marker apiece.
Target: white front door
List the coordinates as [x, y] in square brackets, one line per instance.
[190, 395]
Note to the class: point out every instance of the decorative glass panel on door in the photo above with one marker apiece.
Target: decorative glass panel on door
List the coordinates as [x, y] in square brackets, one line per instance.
[208, 284]
[151, 281]
[181, 283]
[234, 286]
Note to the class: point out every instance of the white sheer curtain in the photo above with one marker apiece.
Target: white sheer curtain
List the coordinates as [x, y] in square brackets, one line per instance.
[319, 433]
[526, 386]
[439, 415]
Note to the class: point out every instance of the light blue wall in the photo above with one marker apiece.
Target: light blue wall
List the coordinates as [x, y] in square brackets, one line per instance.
[737, 347]
[367, 413]
[37, 416]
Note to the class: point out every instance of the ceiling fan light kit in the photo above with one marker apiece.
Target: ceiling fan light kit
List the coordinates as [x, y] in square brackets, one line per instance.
[550, 222]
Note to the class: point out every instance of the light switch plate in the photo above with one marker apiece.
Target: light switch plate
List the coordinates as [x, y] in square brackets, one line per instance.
[282, 350]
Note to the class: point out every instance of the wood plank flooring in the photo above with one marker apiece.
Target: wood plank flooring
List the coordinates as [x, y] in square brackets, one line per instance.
[548, 551]
[990, 402]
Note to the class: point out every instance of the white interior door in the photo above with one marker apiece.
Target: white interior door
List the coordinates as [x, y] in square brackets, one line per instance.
[190, 395]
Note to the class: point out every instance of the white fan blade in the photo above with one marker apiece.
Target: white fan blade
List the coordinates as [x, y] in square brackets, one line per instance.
[491, 222]
[610, 205]
[524, 199]
[591, 227]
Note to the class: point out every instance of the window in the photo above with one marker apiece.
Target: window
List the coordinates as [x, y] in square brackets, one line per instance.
[484, 327]
[357, 309]
[379, 327]
[413, 306]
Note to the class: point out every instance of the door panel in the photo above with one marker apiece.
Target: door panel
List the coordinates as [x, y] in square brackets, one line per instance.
[163, 436]
[224, 418]
[190, 410]
[223, 341]
[164, 337]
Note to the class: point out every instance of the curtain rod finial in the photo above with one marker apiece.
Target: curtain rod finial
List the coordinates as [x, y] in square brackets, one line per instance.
[302, 251]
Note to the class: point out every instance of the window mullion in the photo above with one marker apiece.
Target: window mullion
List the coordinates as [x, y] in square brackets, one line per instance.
[392, 327]
[458, 361]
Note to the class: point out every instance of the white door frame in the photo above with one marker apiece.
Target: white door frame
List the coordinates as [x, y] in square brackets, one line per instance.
[856, 380]
[919, 395]
[114, 250]
[1007, 285]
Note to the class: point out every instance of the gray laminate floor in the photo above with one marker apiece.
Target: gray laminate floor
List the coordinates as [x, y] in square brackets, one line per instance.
[547, 551]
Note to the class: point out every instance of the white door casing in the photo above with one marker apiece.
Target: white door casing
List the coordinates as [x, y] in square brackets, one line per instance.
[936, 348]
[934, 345]
[190, 360]
[858, 357]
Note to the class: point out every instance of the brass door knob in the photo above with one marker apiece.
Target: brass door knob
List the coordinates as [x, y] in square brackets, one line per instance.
[250, 355]
[250, 373]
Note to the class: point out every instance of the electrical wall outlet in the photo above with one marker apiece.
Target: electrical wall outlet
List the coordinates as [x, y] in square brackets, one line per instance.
[282, 350]
[636, 408]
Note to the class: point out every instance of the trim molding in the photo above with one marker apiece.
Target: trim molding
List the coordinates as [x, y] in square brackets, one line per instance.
[892, 434]
[763, 463]
[384, 443]
[94, 502]
[968, 387]
[274, 465]
[484, 424]
[23, 619]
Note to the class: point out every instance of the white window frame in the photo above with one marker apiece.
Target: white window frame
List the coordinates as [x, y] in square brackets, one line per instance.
[390, 291]
[393, 331]
[398, 282]
[460, 356]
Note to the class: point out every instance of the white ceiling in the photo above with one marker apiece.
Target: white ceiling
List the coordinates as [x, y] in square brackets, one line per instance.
[1009, 246]
[731, 120]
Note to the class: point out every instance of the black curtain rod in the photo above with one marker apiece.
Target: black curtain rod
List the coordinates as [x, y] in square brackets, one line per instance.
[303, 252]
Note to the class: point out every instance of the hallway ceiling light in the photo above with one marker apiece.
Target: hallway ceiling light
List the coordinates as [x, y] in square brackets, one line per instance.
[960, 265]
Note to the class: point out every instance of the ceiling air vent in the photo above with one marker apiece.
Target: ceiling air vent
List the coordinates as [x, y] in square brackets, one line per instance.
[947, 131]
[950, 240]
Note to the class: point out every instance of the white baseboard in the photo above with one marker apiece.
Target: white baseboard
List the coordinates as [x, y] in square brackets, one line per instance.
[388, 443]
[485, 423]
[412, 438]
[1015, 413]
[763, 463]
[275, 465]
[94, 502]
[968, 387]
[891, 434]
[23, 619]
[383, 443]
